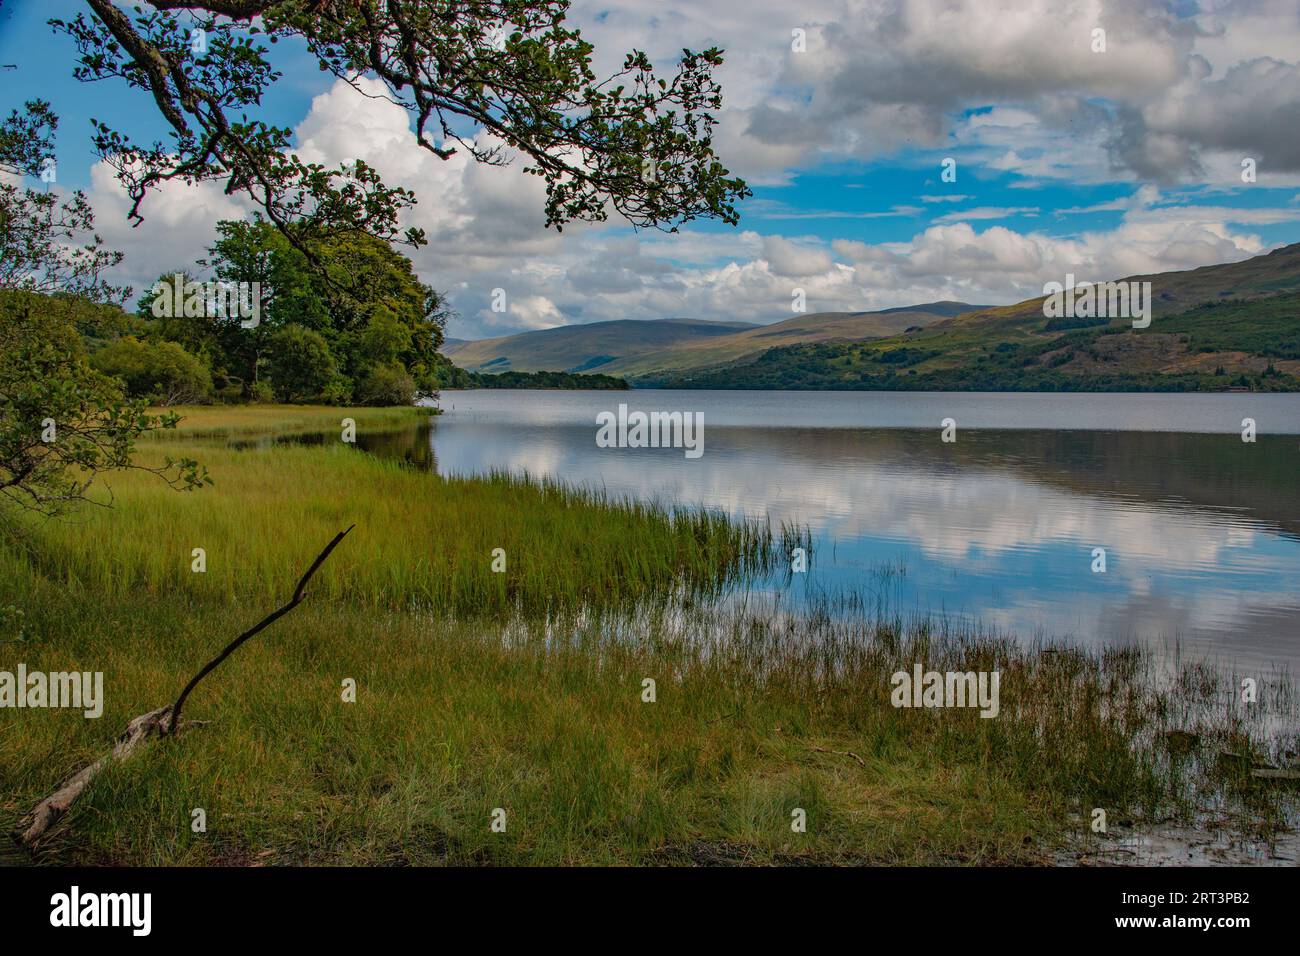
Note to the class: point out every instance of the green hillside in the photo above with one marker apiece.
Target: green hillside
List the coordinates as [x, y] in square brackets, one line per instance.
[1235, 325]
[654, 348]
[591, 347]
[818, 327]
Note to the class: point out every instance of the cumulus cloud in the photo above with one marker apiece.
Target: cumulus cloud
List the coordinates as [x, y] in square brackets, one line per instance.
[1007, 86]
[786, 258]
[1171, 89]
[179, 224]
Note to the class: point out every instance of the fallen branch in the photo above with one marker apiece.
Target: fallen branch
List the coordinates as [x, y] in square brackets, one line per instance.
[298, 594]
[163, 722]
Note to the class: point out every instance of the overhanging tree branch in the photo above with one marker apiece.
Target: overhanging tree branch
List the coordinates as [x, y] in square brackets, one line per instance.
[491, 76]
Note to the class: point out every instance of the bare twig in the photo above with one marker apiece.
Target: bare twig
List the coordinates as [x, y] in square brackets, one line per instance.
[298, 594]
[163, 722]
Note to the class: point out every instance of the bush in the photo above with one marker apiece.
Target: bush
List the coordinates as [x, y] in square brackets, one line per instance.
[338, 391]
[386, 385]
[162, 373]
[300, 362]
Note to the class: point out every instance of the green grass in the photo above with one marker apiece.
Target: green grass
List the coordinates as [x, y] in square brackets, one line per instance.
[546, 720]
[534, 704]
[234, 421]
[420, 540]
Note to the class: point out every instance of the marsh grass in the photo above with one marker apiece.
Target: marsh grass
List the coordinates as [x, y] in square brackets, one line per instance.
[421, 540]
[470, 698]
[233, 421]
[757, 713]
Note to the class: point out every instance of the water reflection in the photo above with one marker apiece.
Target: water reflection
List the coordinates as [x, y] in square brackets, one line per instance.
[1201, 531]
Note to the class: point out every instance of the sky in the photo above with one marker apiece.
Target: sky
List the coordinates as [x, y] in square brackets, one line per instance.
[840, 116]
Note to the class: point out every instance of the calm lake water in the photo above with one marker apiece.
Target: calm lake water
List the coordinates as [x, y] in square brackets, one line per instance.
[1201, 530]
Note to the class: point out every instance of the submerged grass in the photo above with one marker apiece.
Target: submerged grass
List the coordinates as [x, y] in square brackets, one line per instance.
[531, 698]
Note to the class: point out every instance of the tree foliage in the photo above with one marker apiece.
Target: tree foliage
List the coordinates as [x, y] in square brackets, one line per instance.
[163, 373]
[62, 423]
[354, 293]
[633, 142]
[46, 238]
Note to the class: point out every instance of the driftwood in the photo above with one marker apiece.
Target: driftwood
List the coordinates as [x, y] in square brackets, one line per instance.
[163, 722]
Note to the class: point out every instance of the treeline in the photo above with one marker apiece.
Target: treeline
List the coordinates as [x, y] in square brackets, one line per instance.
[1268, 328]
[262, 322]
[812, 368]
[451, 376]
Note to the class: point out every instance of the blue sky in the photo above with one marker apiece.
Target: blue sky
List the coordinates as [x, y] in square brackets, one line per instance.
[1069, 159]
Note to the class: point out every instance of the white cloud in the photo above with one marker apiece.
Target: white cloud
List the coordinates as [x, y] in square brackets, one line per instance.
[786, 258]
[179, 224]
[987, 212]
[1003, 85]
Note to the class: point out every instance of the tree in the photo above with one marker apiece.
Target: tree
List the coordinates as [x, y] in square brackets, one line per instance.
[386, 385]
[160, 372]
[62, 423]
[209, 338]
[363, 298]
[633, 142]
[301, 364]
[39, 229]
[385, 316]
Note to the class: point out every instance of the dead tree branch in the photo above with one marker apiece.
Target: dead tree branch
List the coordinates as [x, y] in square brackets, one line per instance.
[298, 594]
[163, 722]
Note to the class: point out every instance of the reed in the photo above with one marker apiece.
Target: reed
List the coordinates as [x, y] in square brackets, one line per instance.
[421, 541]
[526, 690]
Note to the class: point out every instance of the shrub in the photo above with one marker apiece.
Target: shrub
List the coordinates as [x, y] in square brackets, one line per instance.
[386, 385]
[160, 372]
[300, 362]
[338, 391]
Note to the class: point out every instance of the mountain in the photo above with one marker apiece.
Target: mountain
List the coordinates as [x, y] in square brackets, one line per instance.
[1233, 325]
[800, 329]
[582, 348]
[647, 349]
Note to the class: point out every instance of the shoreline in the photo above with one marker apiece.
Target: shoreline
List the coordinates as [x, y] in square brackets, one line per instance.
[541, 711]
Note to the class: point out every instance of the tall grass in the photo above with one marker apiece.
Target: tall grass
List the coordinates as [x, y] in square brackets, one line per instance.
[420, 540]
[757, 713]
[232, 421]
[525, 691]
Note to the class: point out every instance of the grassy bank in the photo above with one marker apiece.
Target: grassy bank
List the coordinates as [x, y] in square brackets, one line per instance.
[454, 719]
[534, 704]
[421, 540]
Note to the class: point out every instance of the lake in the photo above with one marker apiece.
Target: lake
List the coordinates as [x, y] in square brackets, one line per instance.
[1201, 530]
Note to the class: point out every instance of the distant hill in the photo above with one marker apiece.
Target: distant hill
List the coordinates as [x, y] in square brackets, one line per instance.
[654, 348]
[582, 348]
[1235, 325]
[800, 329]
